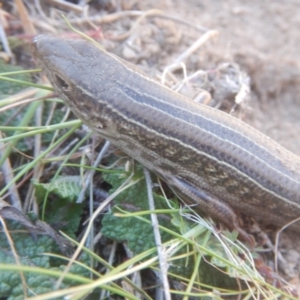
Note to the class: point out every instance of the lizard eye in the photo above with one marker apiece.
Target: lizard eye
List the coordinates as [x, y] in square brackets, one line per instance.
[61, 83]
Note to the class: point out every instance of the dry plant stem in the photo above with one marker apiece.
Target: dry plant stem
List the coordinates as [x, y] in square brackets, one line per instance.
[271, 248]
[39, 167]
[19, 98]
[128, 183]
[66, 149]
[25, 19]
[19, 109]
[111, 259]
[86, 16]
[8, 177]
[189, 78]
[276, 252]
[149, 13]
[179, 61]
[39, 9]
[136, 277]
[135, 282]
[192, 279]
[64, 119]
[225, 243]
[171, 68]
[110, 18]
[161, 254]
[91, 196]
[97, 238]
[203, 39]
[4, 41]
[15, 254]
[91, 173]
[51, 113]
[91, 210]
[32, 163]
[20, 183]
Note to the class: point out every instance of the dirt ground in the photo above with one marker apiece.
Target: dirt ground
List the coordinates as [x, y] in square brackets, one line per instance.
[263, 37]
